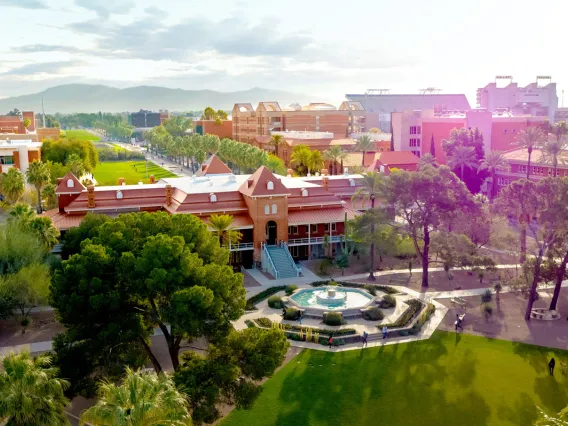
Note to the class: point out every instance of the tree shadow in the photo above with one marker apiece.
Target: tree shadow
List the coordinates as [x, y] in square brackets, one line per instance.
[523, 408]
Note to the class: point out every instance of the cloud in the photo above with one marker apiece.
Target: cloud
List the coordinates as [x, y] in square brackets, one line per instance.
[40, 48]
[24, 4]
[156, 12]
[106, 8]
[41, 68]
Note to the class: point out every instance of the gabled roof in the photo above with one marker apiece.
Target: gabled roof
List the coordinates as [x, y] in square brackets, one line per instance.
[396, 157]
[213, 166]
[64, 188]
[257, 184]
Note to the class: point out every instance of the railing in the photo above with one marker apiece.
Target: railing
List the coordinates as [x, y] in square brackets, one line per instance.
[290, 258]
[241, 246]
[313, 240]
[267, 264]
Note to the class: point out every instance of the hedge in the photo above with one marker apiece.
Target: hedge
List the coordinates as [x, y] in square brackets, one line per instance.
[250, 306]
[333, 318]
[414, 306]
[373, 314]
[275, 302]
[425, 316]
[267, 323]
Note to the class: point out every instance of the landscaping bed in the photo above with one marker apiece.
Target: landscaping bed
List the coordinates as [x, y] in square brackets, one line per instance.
[265, 294]
[368, 287]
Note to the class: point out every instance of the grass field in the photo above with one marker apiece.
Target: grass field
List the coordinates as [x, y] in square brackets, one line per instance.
[108, 173]
[81, 135]
[448, 379]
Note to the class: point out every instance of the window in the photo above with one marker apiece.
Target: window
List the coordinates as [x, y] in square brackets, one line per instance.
[414, 142]
[294, 251]
[292, 230]
[307, 228]
[326, 227]
[266, 209]
[334, 227]
[418, 130]
[412, 130]
[537, 170]
[551, 172]
[522, 169]
[351, 182]
[274, 208]
[270, 185]
[8, 159]
[213, 198]
[304, 192]
[313, 229]
[417, 153]
[70, 183]
[119, 195]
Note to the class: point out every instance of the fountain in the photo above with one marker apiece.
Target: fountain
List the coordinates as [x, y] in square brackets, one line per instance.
[330, 296]
[315, 301]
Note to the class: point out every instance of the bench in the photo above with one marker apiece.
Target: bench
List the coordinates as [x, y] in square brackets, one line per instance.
[459, 302]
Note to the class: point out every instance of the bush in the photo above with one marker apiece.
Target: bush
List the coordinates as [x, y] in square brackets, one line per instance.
[487, 296]
[414, 306]
[333, 318]
[371, 289]
[425, 316]
[250, 324]
[261, 296]
[487, 309]
[388, 302]
[373, 314]
[291, 289]
[267, 323]
[275, 302]
[292, 314]
[264, 322]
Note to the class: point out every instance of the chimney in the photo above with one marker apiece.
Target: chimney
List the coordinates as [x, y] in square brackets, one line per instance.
[346, 171]
[325, 182]
[290, 172]
[121, 181]
[152, 179]
[324, 172]
[169, 192]
[91, 197]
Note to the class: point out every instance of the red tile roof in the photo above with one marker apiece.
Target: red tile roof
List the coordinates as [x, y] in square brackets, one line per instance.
[213, 166]
[240, 221]
[306, 217]
[396, 157]
[63, 221]
[134, 198]
[63, 188]
[257, 184]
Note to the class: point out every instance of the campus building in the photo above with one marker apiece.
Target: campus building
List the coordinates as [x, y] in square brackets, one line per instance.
[281, 218]
[147, 119]
[270, 117]
[18, 154]
[222, 129]
[15, 124]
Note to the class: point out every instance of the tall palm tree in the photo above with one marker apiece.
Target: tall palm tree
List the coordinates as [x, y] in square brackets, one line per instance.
[493, 161]
[22, 213]
[12, 185]
[142, 399]
[315, 161]
[371, 188]
[38, 175]
[276, 141]
[44, 230]
[462, 157]
[301, 156]
[334, 155]
[551, 151]
[222, 225]
[530, 138]
[427, 160]
[365, 144]
[560, 129]
[30, 392]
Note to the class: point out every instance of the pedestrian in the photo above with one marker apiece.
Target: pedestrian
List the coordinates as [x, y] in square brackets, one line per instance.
[458, 322]
[551, 365]
[410, 267]
[283, 312]
[385, 332]
[300, 317]
[365, 336]
[330, 341]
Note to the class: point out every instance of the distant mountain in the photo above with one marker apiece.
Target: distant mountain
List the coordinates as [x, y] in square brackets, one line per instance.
[71, 98]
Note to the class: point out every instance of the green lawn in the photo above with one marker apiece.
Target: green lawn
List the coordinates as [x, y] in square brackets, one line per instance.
[108, 173]
[448, 379]
[81, 135]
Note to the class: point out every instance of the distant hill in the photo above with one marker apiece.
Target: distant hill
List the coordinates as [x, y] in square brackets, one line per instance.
[72, 98]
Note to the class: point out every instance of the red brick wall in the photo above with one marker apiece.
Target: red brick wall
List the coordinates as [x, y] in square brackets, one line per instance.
[223, 130]
[441, 131]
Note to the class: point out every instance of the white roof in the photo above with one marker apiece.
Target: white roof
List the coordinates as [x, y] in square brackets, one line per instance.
[17, 143]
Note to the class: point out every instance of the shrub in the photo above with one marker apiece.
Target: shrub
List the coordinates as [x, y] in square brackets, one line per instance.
[250, 324]
[338, 342]
[487, 309]
[261, 296]
[388, 302]
[291, 289]
[487, 296]
[264, 322]
[371, 289]
[292, 314]
[267, 323]
[333, 318]
[414, 306]
[373, 314]
[425, 316]
[275, 302]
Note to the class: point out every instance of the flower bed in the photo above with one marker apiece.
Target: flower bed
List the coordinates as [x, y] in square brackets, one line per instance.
[250, 306]
[267, 323]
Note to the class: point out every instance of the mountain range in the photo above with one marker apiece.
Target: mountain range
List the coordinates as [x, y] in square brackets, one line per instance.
[72, 98]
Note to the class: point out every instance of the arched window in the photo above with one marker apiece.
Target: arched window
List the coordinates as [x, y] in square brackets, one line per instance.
[213, 198]
[270, 185]
[70, 183]
[267, 209]
[119, 195]
[351, 182]
[274, 209]
[304, 192]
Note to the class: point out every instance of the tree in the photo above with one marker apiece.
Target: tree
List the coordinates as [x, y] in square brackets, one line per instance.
[550, 153]
[222, 225]
[18, 249]
[229, 370]
[365, 144]
[27, 122]
[560, 129]
[375, 130]
[12, 185]
[276, 165]
[373, 228]
[76, 165]
[432, 147]
[141, 399]
[462, 157]
[334, 155]
[464, 138]
[494, 161]
[222, 114]
[38, 176]
[369, 191]
[427, 160]
[15, 113]
[178, 125]
[276, 141]
[48, 193]
[425, 200]
[42, 228]
[30, 392]
[301, 157]
[209, 114]
[530, 138]
[60, 151]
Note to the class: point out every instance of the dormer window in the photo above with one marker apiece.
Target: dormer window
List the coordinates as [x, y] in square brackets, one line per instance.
[267, 209]
[270, 185]
[304, 192]
[351, 182]
[213, 198]
[70, 183]
[119, 195]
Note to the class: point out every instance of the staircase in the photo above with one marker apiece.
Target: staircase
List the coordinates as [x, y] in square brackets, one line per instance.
[282, 260]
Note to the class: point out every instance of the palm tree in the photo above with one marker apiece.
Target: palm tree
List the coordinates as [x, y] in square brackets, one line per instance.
[493, 161]
[462, 157]
[301, 156]
[76, 165]
[315, 161]
[530, 138]
[427, 160]
[334, 155]
[365, 144]
[38, 175]
[142, 399]
[12, 185]
[222, 225]
[22, 213]
[551, 151]
[276, 141]
[30, 392]
[371, 188]
[44, 230]
[560, 129]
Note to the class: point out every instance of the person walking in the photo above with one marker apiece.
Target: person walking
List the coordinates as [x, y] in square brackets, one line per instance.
[365, 336]
[300, 317]
[330, 341]
[385, 332]
[458, 322]
[551, 365]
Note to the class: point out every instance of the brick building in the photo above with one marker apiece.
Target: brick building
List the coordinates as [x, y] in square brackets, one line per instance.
[224, 129]
[18, 154]
[15, 124]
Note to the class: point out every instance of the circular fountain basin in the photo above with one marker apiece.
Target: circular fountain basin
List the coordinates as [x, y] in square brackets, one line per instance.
[331, 299]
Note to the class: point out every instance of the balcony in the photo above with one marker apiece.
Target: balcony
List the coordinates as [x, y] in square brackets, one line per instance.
[312, 240]
[241, 246]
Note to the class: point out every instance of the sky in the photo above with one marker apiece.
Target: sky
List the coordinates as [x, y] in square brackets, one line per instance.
[320, 48]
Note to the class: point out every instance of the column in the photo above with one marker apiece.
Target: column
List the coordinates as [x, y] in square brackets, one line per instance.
[23, 156]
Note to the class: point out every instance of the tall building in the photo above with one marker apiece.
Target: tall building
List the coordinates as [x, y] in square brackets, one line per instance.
[146, 119]
[537, 99]
[380, 104]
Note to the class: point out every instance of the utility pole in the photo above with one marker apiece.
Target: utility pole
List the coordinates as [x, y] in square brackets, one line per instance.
[42, 113]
